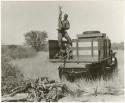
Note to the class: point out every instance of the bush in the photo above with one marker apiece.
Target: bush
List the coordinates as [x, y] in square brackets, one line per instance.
[36, 39]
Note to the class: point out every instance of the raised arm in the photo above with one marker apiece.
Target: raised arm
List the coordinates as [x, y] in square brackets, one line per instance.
[60, 18]
[60, 13]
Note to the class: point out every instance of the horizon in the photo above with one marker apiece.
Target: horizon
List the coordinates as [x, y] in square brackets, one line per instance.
[19, 17]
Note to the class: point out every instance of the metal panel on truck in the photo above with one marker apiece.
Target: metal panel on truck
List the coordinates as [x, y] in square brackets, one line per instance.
[53, 48]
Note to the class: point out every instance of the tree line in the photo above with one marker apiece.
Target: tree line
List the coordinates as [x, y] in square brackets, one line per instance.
[118, 46]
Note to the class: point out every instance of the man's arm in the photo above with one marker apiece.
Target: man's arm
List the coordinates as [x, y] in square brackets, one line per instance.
[60, 18]
[60, 13]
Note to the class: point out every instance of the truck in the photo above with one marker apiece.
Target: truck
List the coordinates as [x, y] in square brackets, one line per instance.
[92, 57]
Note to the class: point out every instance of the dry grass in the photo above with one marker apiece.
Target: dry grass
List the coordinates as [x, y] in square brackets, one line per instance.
[100, 90]
[11, 75]
[17, 51]
[85, 91]
[38, 66]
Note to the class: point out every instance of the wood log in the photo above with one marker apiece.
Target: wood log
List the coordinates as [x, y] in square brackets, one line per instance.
[20, 89]
[17, 98]
[23, 89]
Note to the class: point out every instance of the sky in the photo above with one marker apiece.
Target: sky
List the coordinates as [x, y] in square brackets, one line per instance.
[19, 17]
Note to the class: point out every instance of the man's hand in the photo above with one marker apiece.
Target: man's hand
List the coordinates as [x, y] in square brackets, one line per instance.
[60, 11]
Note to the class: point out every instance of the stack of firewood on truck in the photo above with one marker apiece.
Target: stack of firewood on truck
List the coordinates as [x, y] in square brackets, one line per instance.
[41, 89]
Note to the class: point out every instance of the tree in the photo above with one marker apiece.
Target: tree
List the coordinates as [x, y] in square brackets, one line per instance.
[36, 39]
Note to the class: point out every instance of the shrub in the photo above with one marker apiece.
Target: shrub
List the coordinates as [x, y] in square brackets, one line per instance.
[36, 39]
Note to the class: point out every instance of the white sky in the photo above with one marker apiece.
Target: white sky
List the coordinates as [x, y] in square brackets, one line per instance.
[20, 17]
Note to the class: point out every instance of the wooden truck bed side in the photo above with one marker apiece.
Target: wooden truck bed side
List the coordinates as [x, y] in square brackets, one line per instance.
[91, 50]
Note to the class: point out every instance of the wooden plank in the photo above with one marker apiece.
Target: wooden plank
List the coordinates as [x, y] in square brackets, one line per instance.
[77, 49]
[74, 44]
[92, 48]
[87, 56]
[96, 52]
[108, 47]
[85, 52]
[85, 40]
[85, 48]
[88, 40]
[89, 60]
[94, 35]
[88, 52]
[95, 43]
[105, 48]
[74, 61]
[74, 52]
[99, 49]
[85, 44]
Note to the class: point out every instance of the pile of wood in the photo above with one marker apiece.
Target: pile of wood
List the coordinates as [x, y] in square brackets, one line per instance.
[42, 89]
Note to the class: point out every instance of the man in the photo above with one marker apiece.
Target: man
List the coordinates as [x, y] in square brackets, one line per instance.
[63, 26]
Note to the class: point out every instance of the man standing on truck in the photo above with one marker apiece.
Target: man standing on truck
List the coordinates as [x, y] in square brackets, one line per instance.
[63, 26]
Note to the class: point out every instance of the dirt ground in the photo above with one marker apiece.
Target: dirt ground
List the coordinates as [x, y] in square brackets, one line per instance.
[40, 66]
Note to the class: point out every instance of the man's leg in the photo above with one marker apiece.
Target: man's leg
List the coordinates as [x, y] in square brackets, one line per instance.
[69, 49]
[60, 39]
[68, 38]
